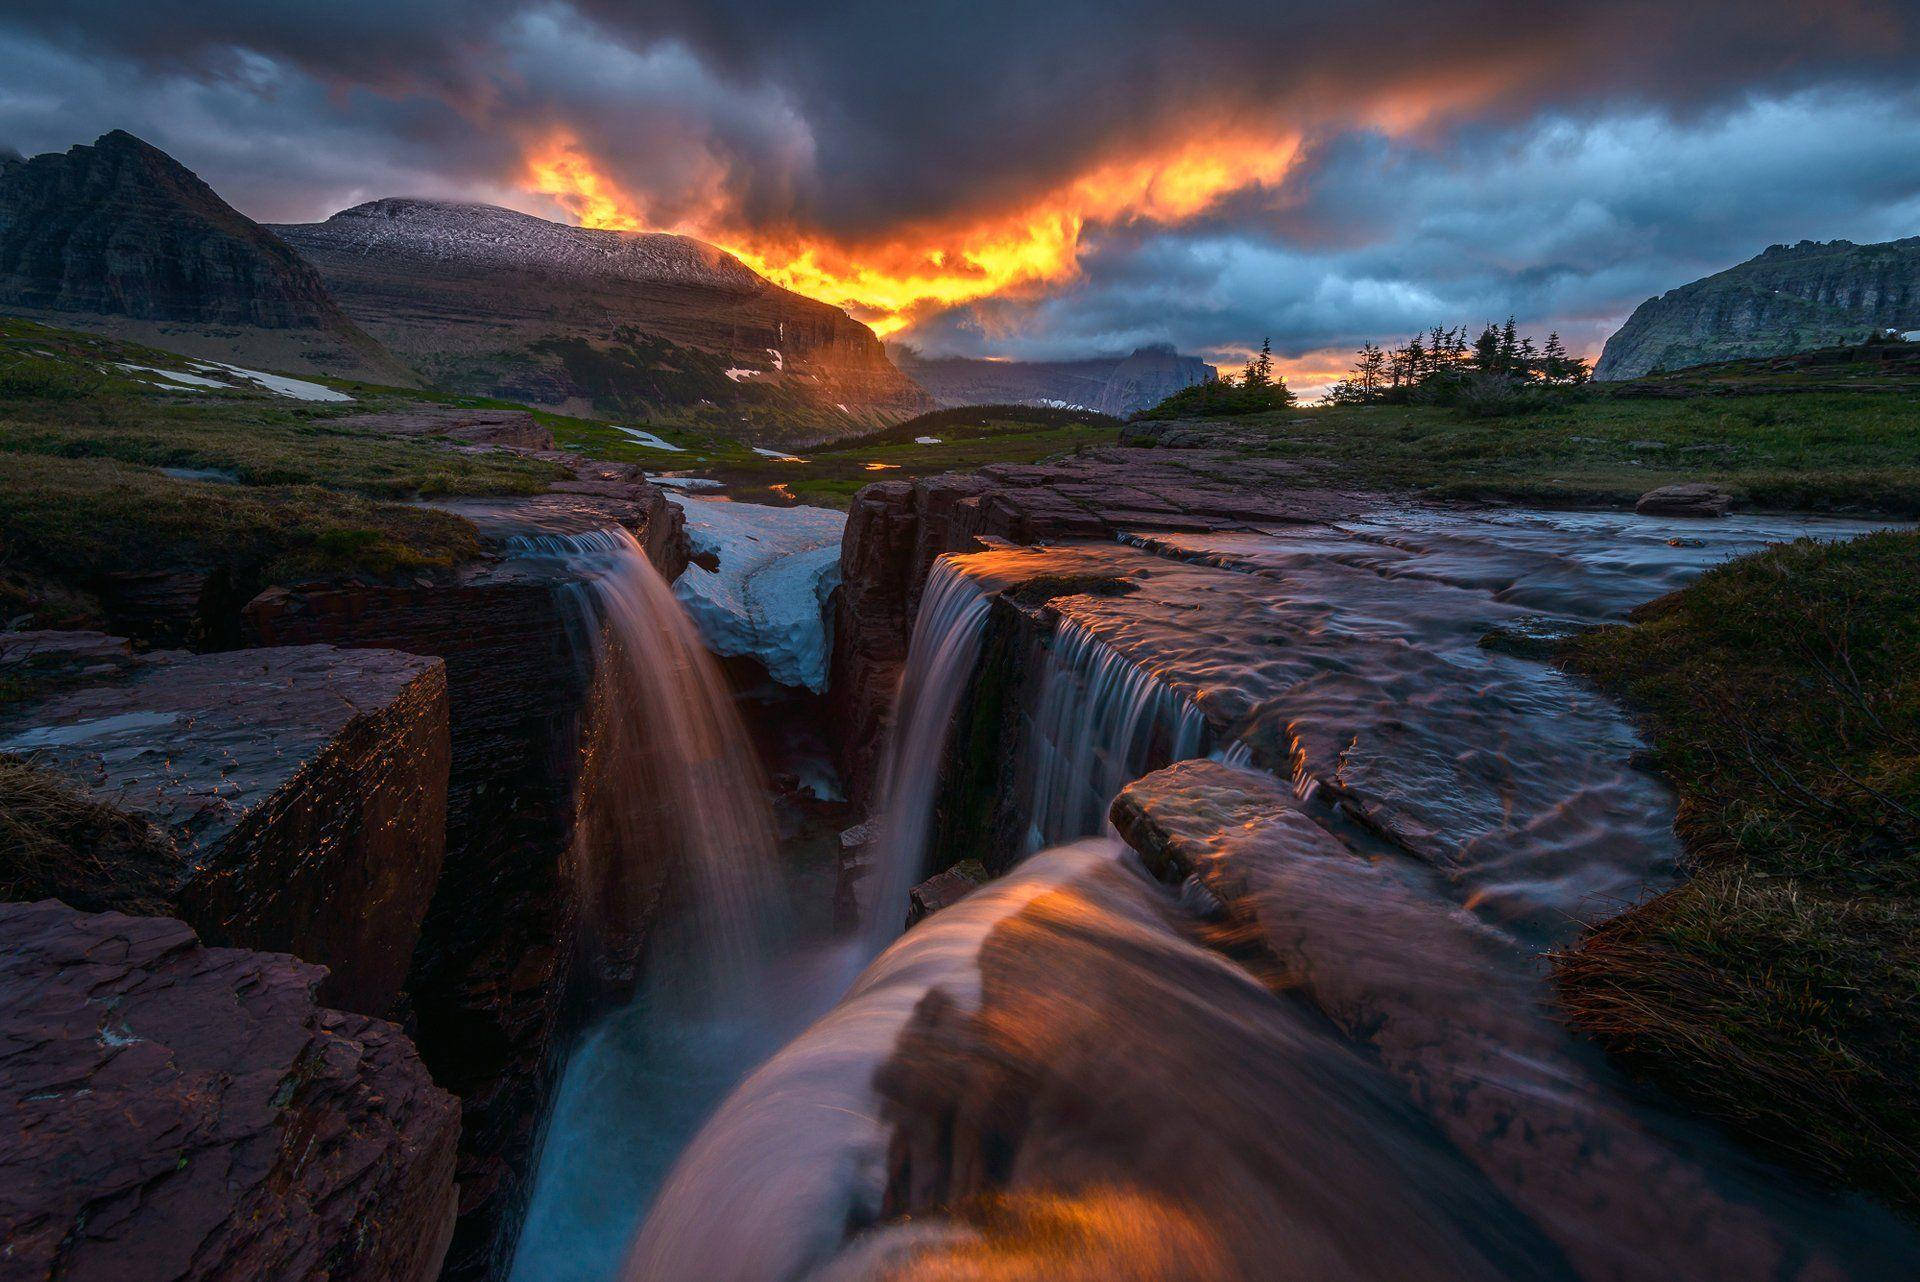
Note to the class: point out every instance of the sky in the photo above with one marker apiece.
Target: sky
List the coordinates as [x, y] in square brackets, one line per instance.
[1002, 178]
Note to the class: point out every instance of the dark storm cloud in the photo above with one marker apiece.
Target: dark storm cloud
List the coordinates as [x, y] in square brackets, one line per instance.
[1556, 159]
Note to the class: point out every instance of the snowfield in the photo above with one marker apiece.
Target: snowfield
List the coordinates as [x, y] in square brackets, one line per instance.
[778, 566]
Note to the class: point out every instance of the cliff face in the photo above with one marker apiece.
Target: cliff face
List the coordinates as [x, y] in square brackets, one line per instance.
[1117, 385]
[497, 982]
[1789, 299]
[229, 1128]
[121, 237]
[302, 793]
[897, 529]
[492, 302]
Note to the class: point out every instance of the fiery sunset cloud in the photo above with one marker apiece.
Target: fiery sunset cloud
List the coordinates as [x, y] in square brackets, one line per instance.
[1008, 182]
[888, 282]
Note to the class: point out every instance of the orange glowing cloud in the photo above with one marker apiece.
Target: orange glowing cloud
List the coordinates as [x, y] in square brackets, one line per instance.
[888, 282]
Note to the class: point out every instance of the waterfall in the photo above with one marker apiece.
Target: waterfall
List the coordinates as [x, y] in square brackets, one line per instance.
[1102, 721]
[669, 772]
[940, 660]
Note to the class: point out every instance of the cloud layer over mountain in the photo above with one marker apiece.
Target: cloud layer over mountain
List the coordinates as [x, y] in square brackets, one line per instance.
[992, 177]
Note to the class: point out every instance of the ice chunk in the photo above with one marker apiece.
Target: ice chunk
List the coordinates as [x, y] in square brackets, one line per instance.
[778, 566]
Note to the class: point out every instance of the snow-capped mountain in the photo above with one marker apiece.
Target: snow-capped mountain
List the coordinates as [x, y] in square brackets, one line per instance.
[452, 231]
[492, 302]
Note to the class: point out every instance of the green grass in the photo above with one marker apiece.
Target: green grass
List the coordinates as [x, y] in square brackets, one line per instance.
[1779, 987]
[1831, 452]
[83, 496]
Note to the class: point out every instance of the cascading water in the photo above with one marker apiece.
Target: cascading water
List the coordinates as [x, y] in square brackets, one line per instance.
[940, 660]
[670, 780]
[671, 775]
[1102, 722]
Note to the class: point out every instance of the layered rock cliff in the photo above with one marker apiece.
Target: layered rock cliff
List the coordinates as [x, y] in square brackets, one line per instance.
[177, 1111]
[300, 793]
[120, 237]
[498, 979]
[897, 529]
[1792, 298]
[1117, 385]
[493, 302]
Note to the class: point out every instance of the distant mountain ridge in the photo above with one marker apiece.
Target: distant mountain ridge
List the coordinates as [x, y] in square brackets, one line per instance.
[490, 301]
[120, 237]
[1791, 298]
[1116, 385]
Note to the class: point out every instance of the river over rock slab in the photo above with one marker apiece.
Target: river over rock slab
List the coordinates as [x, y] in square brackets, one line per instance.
[191, 1113]
[304, 788]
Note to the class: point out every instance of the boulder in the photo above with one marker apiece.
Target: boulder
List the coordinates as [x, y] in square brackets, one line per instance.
[1690, 498]
[303, 790]
[192, 1113]
[945, 889]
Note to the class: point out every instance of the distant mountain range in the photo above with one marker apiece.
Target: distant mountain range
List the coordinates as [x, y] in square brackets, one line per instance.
[119, 237]
[484, 300]
[1117, 385]
[1789, 299]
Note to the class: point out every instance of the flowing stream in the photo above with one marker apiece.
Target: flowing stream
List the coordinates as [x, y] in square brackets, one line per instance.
[1079, 1073]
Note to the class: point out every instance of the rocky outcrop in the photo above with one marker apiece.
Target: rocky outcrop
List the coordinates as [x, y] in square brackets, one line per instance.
[120, 236]
[1117, 385]
[1453, 1010]
[302, 792]
[492, 302]
[897, 529]
[496, 983]
[1789, 299]
[184, 1112]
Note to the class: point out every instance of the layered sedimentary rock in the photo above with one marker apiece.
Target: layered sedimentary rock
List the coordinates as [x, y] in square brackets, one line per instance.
[301, 792]
[492, 302]
[185, 1112]
[495, 986]
[119, 236]
[896, 529]
[1456, 1011]
[1792, 298]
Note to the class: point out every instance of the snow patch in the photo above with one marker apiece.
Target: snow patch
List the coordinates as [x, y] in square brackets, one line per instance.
[778, 567]
[782, 455]
[687, 482]
[926, 440]
[779, 361]
[175, 376]
[739, 374]
[649, 440]
[297, 388]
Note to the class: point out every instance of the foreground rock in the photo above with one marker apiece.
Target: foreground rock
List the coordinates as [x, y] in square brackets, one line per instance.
[1691, 498]
[496, 983]
[1458, 1013]
[184, 1112]
[301, 791]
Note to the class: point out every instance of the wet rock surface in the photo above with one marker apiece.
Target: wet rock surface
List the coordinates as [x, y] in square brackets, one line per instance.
[944, 890]
[496, 984]
[896, 529]
[303, 788]
[1459, 1013]
[179, 1111]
